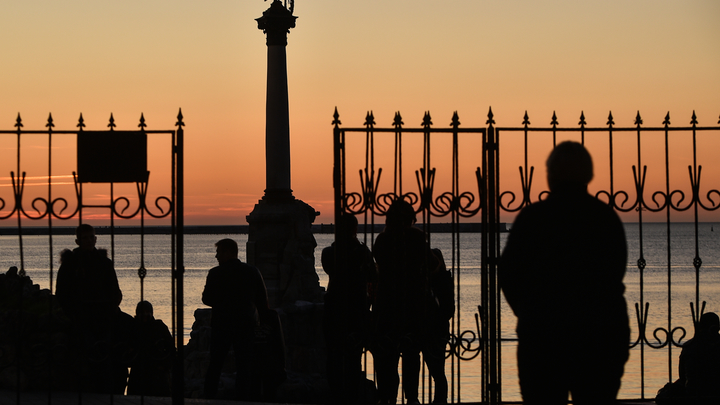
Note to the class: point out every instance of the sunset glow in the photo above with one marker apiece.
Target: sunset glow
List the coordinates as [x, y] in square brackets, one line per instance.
[209, 58]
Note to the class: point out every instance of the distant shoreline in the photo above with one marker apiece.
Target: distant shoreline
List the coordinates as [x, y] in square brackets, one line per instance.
[221, 229]
[473, 227]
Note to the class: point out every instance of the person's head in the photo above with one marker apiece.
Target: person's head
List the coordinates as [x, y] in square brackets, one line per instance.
[85, 237]
[347, 225]
[144, 311]
[709, 324]
[569, 165]
[226, 249]
[400, 214]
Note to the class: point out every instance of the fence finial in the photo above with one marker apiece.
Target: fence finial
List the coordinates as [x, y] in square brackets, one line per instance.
[490, 119]
[455, 120]
[397, 120]
[142, 124]
[610, 121]
[666, 122]
[554, 121]
[369, 119]
[18, 122]
[427, 121]
[49, 121]
[336, 118]
[81, 122]
[694, 119]
[582, 122]
[112, 125]
[638, 119]
[179, 122]
[526, 119]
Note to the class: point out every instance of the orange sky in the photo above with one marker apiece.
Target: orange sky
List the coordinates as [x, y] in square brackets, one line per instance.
[132, 57]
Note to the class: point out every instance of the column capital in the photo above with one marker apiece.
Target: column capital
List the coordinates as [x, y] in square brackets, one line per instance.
[276, 22]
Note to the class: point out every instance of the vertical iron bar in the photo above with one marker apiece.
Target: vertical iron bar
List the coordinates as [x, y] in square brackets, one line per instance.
[50, 243]
[18, 206]
[178, 372]
[669, 265]
[641, 259]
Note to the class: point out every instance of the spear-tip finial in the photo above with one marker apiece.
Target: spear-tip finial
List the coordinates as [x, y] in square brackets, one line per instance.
[336, 118]
[694, 119]
[49, 121]
[526, 119]
[610, 121]
[81, 122]
[112, 125]
[582, 122]
[18, 122]
[490, 119]
[554, 121]
[179, 122]
[638, 119]
[666, 121]
[142, 124]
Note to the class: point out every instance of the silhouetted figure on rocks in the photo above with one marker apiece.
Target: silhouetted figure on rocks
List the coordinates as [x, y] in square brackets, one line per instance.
[13, 286]
[562, 274]
[351, 267]
[236, 292]
[404, 259]
[699, 381]
[151, 368]
[440, 310]
[88, 291]
[700, 360]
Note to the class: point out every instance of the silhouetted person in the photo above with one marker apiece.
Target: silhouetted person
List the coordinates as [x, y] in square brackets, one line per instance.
[699, 381]
[236, 292]
[350, 266]
[700, 361]
[88, 291]
[562, 274]
[87, 285]
[151, 372]
[403, 258]
[12, 287]
[440, 310]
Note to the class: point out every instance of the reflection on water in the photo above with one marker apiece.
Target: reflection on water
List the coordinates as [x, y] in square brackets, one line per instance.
[200, 256]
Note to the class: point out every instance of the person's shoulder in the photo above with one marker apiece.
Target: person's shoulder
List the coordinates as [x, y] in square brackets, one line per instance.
[245, 267]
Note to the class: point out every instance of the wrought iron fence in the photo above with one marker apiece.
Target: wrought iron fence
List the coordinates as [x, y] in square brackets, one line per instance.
[64, 162]
[652, 203]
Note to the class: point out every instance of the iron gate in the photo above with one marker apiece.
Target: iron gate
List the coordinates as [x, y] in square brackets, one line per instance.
[656, 200]
[117, 161]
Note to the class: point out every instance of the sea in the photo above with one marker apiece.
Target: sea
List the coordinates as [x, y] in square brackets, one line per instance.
[668, 289]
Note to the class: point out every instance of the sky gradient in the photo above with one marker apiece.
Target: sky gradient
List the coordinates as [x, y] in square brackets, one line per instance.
[209, 58]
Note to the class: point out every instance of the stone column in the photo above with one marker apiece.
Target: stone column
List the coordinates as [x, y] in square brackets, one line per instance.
[276, 23]
[280, 241]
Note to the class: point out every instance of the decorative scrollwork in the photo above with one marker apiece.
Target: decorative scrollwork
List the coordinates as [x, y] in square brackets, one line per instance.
[142, 190]
[662, 337]
[461, 345]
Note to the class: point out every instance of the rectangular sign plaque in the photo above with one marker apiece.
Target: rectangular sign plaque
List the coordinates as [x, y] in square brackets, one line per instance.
[111, 156]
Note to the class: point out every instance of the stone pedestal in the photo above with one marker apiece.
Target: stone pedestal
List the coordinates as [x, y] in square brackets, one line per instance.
[281, 244]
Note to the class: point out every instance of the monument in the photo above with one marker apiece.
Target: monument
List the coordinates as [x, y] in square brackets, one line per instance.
[280, 240]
